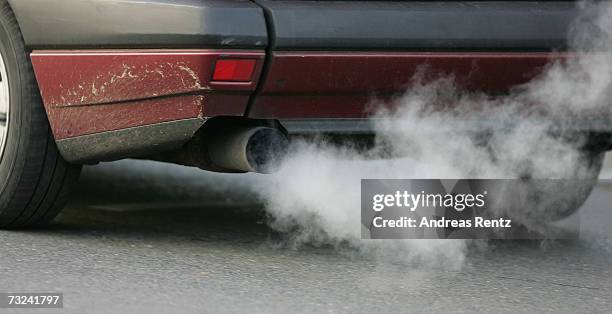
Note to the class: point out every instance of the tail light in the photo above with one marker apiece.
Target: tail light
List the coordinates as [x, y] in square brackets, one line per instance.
[234, 70]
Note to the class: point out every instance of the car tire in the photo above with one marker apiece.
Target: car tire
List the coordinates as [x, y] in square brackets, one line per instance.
[34, 178]
[578, 190]
[534, 202]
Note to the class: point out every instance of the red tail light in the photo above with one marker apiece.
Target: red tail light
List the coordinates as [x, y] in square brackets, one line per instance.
[234, 70]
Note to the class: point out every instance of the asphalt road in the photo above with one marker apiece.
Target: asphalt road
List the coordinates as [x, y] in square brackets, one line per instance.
[146, 237]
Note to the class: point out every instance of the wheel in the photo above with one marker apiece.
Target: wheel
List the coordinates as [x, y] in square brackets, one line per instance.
[534, 202]
[553, 200]
[34, 178]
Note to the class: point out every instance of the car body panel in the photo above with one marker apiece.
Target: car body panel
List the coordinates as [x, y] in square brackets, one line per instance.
[141, 23]
[91, 91]
[125, 78]
[333, 59]
[347, 84]
[420, 25]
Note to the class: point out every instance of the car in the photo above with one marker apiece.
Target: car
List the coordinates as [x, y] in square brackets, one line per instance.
[219, 84]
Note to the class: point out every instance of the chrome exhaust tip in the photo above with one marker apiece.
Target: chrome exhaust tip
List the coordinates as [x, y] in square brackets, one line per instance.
[248, 149]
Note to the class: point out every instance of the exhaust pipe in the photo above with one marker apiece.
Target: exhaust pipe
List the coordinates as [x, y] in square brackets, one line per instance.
[247, 149]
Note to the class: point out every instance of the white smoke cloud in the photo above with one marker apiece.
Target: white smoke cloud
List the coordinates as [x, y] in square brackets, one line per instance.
[315, 195]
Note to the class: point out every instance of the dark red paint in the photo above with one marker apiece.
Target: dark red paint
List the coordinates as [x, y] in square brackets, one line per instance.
[86, 92]
[73, 121]
[100, 90]
[343, 84]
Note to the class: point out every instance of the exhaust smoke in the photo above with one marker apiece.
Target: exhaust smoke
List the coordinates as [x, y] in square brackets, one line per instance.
[534, 132]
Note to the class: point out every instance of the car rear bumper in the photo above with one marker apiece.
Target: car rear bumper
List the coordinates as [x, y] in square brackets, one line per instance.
[109, 104]
[356, 84]
[141, 86]
[93, 91]
[129, 103]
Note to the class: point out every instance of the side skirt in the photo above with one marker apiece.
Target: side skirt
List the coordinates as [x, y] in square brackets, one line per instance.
[131, 142]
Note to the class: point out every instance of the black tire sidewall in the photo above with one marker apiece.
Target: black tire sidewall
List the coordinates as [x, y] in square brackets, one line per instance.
[13, 160]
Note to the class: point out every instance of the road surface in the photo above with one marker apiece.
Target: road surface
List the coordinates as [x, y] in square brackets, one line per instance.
[147, 237]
